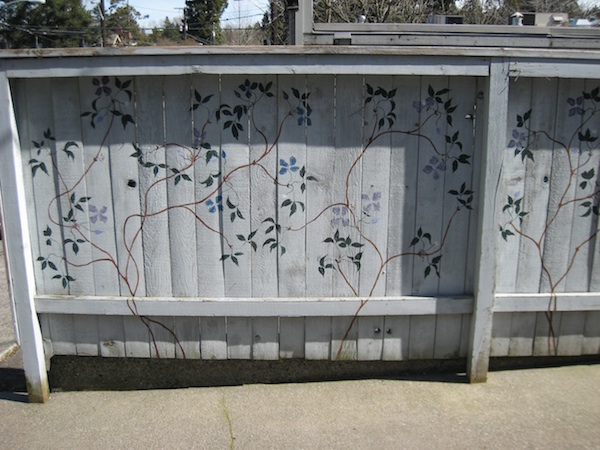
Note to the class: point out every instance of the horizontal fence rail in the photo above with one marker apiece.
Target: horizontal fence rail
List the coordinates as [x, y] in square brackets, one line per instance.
[318, 203]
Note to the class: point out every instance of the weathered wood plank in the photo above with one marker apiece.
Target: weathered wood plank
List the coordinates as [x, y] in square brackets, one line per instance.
[320, 162]
[86, 335]
[317, 338]
[162, 338]
[232, 200]
[187, 332]
[154, 220]
[347, 176]
[112, 336]
[291, 337]
[263, 191]
[591, 334]
[422, 337]
[137, 337]
[570, 335]
[512, 185]
[447, 336]
[291, 199]
[547, 327]
[213, 335]
[207, 172]
[495, 113]
[239, 338]
[522, 333]
[402, 193]
[18, 250]
[265, 345]
[501, 334]
[370, 340]
[344, 335]
[265, 307]
[396, 338]
[372, 210]
[180, 158]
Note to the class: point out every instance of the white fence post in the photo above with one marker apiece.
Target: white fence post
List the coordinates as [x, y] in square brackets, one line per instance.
[18, 249]
[495, 120]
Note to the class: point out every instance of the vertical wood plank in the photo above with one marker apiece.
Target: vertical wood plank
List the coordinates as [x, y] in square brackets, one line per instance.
[591, 334]
[375, 189]
[235, 192]
[291, 153]
[522, 334]
[239, 338]
[458, 221]
[320, 162]
[396, 339]
[44, 217]
[137, 337]
[346, 180]
[370, 338]
[85, 331]
[180, 160]
[112, 336]
[317, 335]
[500, 340]
[63, 334]
[153, 189]
[495, 115]
[265, 344]
[565, 218]
[447, 336]
[291, 337]
[207, 172]
[103, 226]
[18, 250]
[343, 339]
[263, 191]
[422, 337]
[547, 328]
[187, 332]
[213, 338]
[512, 184]
[403, 191]
[163, 341]
[570, 336]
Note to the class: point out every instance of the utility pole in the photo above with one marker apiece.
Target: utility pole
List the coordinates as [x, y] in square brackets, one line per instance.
[185, 22]
[102, 22]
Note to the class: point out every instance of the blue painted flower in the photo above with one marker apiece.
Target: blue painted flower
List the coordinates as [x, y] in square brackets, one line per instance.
[286, 166]
[576, 104]
[518, 141]
[423, 105]
[215, 205]
[102, 86]
[304, 115]
[434, 167]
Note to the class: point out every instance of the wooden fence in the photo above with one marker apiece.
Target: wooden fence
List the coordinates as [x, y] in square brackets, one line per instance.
[356, 204]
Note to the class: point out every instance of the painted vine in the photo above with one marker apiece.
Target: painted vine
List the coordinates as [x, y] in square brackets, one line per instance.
[343, 248]
[581, 189]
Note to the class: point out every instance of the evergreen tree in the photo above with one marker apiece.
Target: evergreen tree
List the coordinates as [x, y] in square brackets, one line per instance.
[202, 20]
[56, 23]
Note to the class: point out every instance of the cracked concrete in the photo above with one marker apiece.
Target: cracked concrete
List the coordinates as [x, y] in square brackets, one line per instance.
[535, 409]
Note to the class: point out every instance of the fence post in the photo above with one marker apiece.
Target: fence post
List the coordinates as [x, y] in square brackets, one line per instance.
[495, 123]
[18, 250]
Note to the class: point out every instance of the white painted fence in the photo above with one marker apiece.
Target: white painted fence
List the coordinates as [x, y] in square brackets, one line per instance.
[362, 204]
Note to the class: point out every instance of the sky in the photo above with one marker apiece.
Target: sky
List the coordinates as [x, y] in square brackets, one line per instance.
[238, 12]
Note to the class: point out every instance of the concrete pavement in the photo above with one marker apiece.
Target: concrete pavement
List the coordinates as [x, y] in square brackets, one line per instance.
[556, 408]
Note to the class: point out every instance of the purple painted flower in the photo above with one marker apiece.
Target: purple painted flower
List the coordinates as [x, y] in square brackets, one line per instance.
[371, 206]
[98, 214]
[102, 86]
[340, 217]
[434, 167]
[576, 106]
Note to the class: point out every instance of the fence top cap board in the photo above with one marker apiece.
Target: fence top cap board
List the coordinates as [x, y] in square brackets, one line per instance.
[261, 53]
